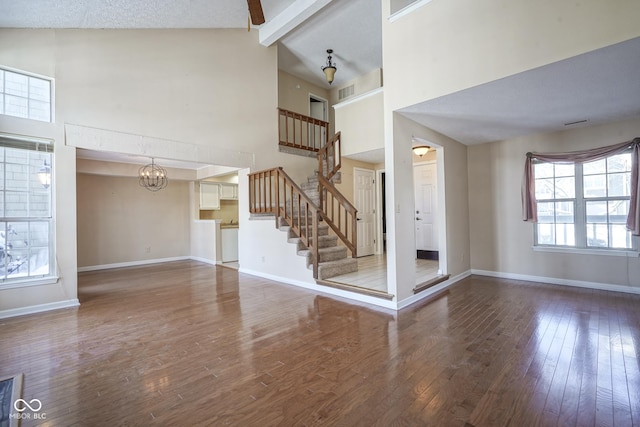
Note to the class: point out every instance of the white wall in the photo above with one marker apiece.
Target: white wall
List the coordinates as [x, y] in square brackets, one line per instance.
[502, 242]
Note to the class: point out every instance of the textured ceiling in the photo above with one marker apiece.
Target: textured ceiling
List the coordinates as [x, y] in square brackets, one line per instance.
[352, 28]
[131, 13]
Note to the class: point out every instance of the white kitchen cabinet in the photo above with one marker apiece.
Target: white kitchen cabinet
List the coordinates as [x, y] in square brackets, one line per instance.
[209, 196]
[228, 191]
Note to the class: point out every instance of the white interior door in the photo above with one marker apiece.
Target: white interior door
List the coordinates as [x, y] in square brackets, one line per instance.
[365, 203]
[426, 218]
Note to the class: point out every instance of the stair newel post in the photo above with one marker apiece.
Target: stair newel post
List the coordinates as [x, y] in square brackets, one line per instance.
[276, 194]
[314, 246]
[354, 235]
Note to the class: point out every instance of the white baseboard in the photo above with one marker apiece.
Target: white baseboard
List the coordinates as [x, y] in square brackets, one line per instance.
[556, 281]
[205, 260]
[39, 308]
[353, 296]
[433, 290]
[131, 263]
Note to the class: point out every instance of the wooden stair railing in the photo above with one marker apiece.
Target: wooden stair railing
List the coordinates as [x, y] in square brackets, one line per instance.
[329, 157]
[303, 132]
[336, 210]
[273, 191]
[339, 214]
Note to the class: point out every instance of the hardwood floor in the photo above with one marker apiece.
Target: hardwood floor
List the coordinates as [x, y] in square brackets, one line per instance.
[185, 343]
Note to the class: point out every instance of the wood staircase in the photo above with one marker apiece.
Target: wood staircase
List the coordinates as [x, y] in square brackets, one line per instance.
[317, 218]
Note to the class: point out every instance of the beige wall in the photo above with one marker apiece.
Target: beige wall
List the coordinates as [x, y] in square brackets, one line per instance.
[118, 220]
[361, 123]
[345, 186]
[197, 88]
[401, 205]
[447, 46]
[293, 93]
[502, 242]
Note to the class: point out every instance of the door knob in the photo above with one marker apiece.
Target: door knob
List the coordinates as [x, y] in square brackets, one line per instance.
[418, 219]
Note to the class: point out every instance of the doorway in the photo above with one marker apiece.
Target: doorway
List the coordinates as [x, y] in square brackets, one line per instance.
[318, 109]
[365, 203]
[426, 204]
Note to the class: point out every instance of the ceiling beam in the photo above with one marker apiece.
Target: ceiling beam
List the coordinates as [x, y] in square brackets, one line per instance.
[290, 18]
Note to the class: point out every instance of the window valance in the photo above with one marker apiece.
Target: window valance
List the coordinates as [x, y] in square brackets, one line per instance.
[529, 206]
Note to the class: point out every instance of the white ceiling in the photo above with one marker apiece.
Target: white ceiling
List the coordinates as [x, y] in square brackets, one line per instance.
[600, 86]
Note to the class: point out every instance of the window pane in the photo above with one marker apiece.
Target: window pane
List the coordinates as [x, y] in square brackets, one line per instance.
[565, 188]
[17, 177]
[597, 212]
[565, 170]
[620, 236]
[40, 111]
[597, 235]
[595, 186]
[546, 214]
[590, 168]
[25, 96]
[544, 188]
[546, 234]
[618, 211]
[16, 84]
[15, 106]
[564, 212]
[543, 170]
[565, 235]
[619, 184]
[619, 163]
[39, 90]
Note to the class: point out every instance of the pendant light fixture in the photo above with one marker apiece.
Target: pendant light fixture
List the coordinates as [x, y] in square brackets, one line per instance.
[329, 69]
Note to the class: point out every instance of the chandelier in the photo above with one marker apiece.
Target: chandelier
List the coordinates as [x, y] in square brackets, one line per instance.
[153, 177]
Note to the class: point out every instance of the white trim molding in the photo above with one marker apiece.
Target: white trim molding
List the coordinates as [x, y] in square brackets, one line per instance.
[353, 296]
[557, 281]
[433, 290]
[358, 98]
[132, 263]
[39, 308]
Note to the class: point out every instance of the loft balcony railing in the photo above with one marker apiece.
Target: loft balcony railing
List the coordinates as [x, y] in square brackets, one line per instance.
[296, 130]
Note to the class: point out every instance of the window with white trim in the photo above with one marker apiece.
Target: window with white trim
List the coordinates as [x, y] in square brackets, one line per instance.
[26, 221]
[24, 95]
[584, 205]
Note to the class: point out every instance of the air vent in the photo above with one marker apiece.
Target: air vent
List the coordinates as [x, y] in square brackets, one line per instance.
[346, 92]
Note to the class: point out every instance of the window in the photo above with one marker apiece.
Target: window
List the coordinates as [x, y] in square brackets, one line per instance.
[26, 223]
[25, 96]
[584, 205]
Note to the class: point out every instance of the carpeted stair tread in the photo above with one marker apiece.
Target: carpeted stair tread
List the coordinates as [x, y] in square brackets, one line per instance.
[330, 269]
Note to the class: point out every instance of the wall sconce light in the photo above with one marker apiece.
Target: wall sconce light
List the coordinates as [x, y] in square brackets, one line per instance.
[44, 175]
[421, 150]
[152, 177]
[329, 69]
